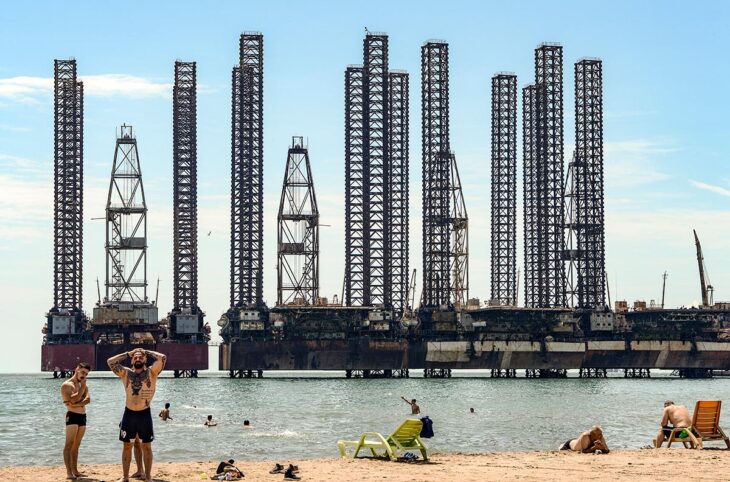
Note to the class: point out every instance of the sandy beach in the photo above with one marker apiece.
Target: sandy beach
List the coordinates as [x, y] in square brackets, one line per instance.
[635, 465]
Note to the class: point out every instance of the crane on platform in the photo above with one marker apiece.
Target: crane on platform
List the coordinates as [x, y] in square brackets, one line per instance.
[705, 285]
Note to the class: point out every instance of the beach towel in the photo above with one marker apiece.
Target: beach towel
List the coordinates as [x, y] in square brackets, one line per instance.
[427, 430]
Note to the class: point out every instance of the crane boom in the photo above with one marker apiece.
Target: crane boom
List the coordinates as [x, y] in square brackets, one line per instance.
[701, 265]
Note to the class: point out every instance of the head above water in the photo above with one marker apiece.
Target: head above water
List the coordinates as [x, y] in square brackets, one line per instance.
[413, 400]
[246, 423]
[210, 417]
[471, 410]
[167, 405]
[82, 371]
[139, 358]
[668, 403]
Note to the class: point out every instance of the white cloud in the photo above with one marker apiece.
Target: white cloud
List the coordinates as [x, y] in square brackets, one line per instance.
[29, 90]
[633, 163]
[710, 187]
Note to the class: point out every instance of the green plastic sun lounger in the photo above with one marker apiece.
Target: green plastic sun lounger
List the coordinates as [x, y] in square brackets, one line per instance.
[406, 437]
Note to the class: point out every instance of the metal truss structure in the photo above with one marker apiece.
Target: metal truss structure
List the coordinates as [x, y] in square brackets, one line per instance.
[354, 189]
[459, 256]
[504, 190]
[68, 211]
[126, 224]
[530, 199]
[376, 164]
[436, 172]
[247, 174]
[399, 171]
[298, 231]
[185, 188]
[549, 168]
[376, 180]
[588, 179]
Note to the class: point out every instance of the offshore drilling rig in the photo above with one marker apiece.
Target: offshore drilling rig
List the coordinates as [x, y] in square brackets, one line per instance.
[126, 317]
[565, 322]
[375, 329]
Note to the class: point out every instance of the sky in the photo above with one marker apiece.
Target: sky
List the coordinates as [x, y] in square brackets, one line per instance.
[666, 135]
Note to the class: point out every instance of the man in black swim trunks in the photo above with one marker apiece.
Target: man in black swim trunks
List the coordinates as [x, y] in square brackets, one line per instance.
[75, 395]
[139, 384]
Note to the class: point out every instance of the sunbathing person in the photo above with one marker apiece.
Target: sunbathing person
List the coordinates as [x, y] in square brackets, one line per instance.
[588, 442]
[677, 416]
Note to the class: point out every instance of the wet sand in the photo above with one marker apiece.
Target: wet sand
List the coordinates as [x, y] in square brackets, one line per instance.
[635, 465]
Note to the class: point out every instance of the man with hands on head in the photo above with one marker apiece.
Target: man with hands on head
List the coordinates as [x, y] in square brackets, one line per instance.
[139, 384]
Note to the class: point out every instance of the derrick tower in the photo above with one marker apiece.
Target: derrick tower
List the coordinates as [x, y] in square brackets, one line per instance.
[376, 180]
[298, 231]
[186, 317]
[436, 189]
[126, 225]
[66, 317]
[459, 256]
[504, 190]
[247, 174]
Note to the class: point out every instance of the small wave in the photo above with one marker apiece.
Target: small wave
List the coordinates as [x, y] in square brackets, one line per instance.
[284, 434]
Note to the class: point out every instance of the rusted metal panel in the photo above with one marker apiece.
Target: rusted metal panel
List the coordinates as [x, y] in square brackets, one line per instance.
[185, 356]
[66, 356]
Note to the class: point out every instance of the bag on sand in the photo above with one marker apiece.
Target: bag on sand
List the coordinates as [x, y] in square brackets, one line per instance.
[427, 430]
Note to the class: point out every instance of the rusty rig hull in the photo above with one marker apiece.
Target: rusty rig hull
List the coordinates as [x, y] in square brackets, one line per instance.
[494, 355]
[493, 339]
[64, 357]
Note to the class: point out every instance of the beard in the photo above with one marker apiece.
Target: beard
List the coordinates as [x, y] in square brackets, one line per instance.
[138, 365]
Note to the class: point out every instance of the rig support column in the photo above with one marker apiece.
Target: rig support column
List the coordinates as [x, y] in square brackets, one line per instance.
[355, 251]
[549, 168]
[459, 256]
[436, 172]
[68, 212]
[588, 196]
[530, 198]
[504, 189]
[399, 136]
[186, 318]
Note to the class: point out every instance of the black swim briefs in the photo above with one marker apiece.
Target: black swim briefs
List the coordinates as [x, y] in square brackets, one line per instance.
[73, 418]
[136, 423]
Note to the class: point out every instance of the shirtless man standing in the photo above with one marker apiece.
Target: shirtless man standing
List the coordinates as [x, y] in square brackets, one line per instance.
[139, 383]
[677, 415]
[415, 409]
[75, 395]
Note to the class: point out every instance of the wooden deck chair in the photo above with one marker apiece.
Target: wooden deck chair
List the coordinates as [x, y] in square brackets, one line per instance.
[706, 421]
[406, 437]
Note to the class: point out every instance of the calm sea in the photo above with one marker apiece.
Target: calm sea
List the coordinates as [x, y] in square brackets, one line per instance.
[296, 415]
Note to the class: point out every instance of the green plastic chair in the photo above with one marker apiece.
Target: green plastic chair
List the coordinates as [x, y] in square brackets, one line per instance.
[406, 437]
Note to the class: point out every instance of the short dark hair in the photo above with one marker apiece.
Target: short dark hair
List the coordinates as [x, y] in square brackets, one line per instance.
[167, 405]
[210, 417]
[84, 365]
[413, 400]
[246, 422]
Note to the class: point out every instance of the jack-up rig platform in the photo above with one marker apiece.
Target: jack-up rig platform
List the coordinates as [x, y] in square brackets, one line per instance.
[125, 318]
[375, 328]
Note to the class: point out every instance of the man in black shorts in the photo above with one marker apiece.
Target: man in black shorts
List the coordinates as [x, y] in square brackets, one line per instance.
[139, 384]
[75, 395]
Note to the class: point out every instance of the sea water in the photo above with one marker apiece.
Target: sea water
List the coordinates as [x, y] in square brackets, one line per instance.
[299, 415]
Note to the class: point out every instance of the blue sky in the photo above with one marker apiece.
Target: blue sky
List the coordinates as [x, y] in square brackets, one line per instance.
[666, 130]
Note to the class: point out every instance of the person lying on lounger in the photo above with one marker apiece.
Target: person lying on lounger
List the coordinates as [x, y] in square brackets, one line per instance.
[588, 442]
